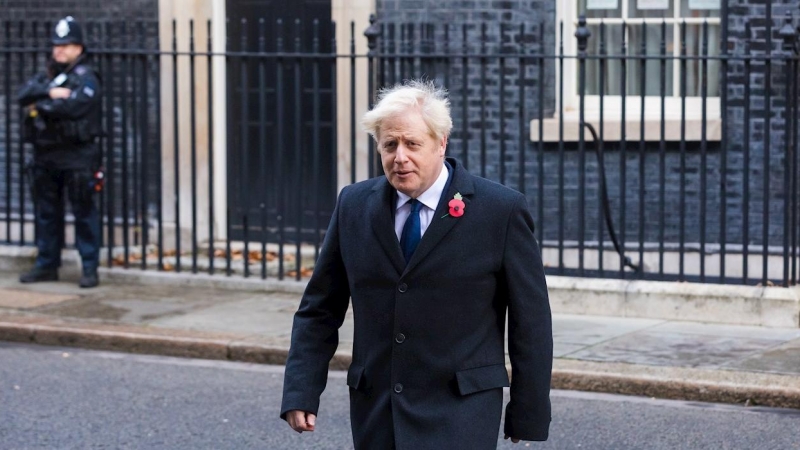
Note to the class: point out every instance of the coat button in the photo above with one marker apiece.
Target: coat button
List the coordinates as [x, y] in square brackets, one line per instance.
[400, 338]
[402, 288]
[398, 388]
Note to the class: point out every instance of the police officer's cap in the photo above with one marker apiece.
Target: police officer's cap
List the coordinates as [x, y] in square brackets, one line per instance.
[67, 31]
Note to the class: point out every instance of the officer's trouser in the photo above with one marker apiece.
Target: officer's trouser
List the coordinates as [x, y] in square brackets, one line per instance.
[49, 185]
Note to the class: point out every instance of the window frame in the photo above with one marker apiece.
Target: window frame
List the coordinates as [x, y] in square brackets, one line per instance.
[567, 14]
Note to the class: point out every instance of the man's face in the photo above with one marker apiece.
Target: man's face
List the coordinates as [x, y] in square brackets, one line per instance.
[67, 53]
[411, 156]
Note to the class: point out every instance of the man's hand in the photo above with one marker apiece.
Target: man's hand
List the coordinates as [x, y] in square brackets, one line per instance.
[60, 92]
[514, 440]
[301, 420]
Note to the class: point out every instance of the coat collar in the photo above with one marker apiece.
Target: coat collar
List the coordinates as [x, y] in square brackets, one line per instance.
[380, 207]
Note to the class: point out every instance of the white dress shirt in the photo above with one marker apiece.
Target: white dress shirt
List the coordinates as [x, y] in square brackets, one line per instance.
[429, 200]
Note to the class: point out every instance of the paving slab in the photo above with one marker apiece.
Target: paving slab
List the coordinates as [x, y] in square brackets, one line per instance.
[784, 359]
[590, 330]
[711, 329]
[563, 349]
[675, 349]
[22, 299]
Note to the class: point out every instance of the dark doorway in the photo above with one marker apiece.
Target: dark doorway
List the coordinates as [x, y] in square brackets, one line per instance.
[281, 119]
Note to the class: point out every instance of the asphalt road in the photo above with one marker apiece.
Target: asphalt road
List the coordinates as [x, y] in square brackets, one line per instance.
[56, 398]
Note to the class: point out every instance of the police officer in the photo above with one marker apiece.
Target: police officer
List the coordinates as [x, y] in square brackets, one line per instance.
[62, 121]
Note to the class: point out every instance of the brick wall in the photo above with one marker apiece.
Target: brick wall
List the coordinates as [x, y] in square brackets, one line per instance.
[503, 34]
[755, 12]
[697, 227]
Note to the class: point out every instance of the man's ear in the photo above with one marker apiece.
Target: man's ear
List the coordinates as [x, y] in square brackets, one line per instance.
[443, 145]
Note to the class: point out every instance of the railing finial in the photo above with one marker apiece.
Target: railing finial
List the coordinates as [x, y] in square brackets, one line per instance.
[372, 33]
[582, 34]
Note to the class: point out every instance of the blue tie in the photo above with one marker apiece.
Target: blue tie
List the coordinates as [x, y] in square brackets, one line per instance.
[412, 231]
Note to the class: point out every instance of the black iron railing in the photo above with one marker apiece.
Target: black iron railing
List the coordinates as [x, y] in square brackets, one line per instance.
[637, 163]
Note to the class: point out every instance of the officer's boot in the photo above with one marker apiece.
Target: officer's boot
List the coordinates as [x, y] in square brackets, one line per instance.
[38, 274]
[89, 278]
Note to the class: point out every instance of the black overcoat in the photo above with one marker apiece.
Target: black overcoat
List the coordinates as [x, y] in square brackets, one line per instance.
[428, 354]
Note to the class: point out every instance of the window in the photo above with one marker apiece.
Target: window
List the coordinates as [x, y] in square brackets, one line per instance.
[640, 23]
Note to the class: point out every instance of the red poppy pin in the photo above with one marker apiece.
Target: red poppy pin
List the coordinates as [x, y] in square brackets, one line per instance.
[456, 206]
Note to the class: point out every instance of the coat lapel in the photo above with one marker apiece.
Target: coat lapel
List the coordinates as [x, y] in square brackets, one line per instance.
[442, 222]
[381, 213]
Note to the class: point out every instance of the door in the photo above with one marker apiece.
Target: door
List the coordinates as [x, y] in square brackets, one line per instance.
[281, 149]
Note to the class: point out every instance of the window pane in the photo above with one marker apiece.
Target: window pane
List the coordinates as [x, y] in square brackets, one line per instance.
[651, 36]
[599, 13]
[694, 68]
[634, 11]
[686, 12]
[613, 46]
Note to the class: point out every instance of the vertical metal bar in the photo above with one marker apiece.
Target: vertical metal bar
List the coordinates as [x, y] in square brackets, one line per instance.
[352, 102]
[502, 64]
[767, 149]
[228, 268]
[682, 201]
[298, 150]
[703, 151]
[135, 163]
[384, 61]
[464, 96]
[262, 140]
[642, 144]
[371, 172]
[160, 172]
[401, 49]
[561, 148]
[176, 147]
[623, 139]
[795, 98]
[600, 176]
[21, 147]
[279, 134]
[540, 149]
[746, 157]
[581, 146]
[333, 114]
[522, 110]
[483, 99]
[210, 74]
[231, 191]
[723, 188]
[7, 94]
[145, 147]
[101, 141]
[315, 136]
[193, 125]
[124, 154]
[787, 168]
[244, 130]
[446, 58]
[662, 153]
[391, 49]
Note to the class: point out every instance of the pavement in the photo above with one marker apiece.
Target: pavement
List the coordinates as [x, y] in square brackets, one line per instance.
[172, 316]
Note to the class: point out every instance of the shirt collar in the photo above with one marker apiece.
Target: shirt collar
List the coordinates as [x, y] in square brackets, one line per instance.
[430, 197]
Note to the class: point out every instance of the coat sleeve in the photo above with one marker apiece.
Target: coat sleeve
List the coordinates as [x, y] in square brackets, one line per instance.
[37, 88]
[530, 332]
[84, 97]
[315, 332]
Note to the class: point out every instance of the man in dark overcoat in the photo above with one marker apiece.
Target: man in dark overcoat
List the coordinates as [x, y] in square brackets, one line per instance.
[436, 262]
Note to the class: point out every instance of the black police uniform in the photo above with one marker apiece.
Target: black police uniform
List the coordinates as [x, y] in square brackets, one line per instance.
[66, 157]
